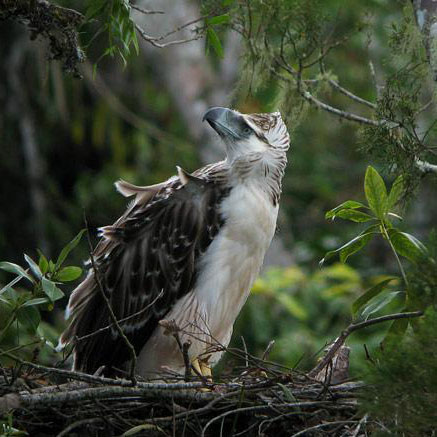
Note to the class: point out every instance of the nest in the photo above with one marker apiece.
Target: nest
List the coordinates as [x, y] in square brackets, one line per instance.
[257, 400]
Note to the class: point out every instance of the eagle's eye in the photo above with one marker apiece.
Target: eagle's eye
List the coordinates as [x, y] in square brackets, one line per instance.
[247, 130]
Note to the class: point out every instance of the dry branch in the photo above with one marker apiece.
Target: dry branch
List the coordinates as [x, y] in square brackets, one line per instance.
[339, 342]
[100, 407]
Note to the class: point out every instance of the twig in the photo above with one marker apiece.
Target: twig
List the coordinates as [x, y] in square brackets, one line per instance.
[355, 327]
[264, 408]
[351, 95]
[375, 82]
[322, 425]
[246, 359]
[268, 349]
[360, 424]
[91, 393]
[129, 345]
[343, 114]
[84, 337]
[145, 11]
[79, 376]
[153, 40]
[77, 424]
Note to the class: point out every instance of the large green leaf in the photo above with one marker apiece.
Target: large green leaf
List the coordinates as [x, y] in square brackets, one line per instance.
[351, 246]
[50, 289]
[407, 245]
[370, 294]
[354, 215]
[36, 301]
[68, 248]
[33, 266]
[214, 41]
[29, 317]
[69, 273]
[376, 193]
[396, 192]
[379, 302]
[43, 263]
[219, 19]
[349, 204]
[14, 268]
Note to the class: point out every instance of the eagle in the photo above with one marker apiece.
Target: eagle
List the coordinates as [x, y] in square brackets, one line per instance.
[186, 250]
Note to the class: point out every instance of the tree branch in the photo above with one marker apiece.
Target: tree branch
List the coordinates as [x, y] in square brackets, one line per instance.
[340, 113]
[352, 328]
[153, 40]
[352, 96]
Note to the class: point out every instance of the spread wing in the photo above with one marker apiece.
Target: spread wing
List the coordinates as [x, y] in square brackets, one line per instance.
[146, 261]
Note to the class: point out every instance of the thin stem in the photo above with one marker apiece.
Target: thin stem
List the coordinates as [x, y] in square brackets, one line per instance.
[404, 276]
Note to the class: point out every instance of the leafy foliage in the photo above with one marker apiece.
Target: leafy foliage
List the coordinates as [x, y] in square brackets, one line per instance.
[403, 380]
[116, 22]
[20, 308]
[378, 210]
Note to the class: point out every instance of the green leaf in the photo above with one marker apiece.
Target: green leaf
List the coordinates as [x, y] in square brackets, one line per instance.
[18, 270]
[349, 204]
[214, 41]
[33, 266]
[370, 294]
[354, 246]
[351, 246]
[29, 317]
[68, 248]
[392, 214]
[380, 302]
[43, 263]
[50, 289]
[353, 215]
[69, 273]
[407, 245]
[36, 301]
[376, 193]
[396, 192]
[219, 19]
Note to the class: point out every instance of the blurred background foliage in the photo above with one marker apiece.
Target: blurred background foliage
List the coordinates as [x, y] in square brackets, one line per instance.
[64, 141]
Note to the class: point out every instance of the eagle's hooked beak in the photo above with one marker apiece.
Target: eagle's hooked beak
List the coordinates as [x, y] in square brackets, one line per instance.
[224, 121]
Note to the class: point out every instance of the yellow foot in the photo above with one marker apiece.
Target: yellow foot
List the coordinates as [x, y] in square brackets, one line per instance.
[205, 369]
[201, 368]
[196, 366]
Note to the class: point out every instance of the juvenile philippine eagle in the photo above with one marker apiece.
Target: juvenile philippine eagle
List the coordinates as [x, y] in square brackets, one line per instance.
[186, 250]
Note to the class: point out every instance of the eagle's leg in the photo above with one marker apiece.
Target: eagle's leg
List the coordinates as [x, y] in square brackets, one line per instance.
[205, 369]
[196, 366]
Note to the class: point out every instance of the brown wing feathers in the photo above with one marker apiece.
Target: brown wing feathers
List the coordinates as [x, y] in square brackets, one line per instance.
[148, 255]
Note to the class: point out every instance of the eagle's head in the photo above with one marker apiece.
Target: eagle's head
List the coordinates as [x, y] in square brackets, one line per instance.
[249, 133]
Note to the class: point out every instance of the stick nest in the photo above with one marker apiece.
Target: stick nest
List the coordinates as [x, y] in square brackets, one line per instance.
[255, 401]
